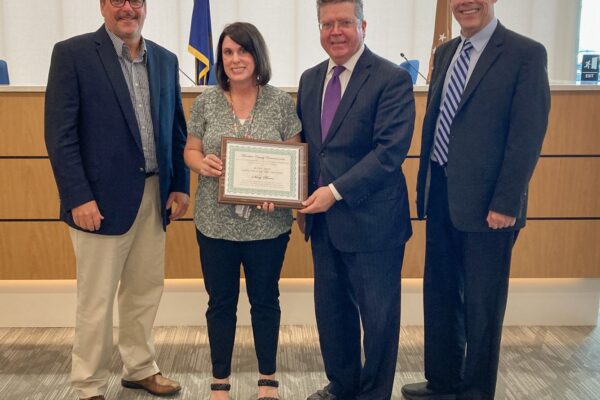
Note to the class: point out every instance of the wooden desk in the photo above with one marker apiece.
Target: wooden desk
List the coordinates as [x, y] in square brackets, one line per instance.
[560, 241]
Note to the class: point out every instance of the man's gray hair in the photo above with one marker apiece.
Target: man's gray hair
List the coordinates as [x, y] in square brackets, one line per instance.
[358, 6]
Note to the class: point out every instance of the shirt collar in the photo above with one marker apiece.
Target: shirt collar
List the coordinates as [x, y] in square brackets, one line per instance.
[122, 49]
[481, 38]
[350, 64]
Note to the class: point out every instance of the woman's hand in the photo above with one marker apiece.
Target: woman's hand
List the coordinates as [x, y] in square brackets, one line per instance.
[210, 165]
[266, 207]
[200, 163]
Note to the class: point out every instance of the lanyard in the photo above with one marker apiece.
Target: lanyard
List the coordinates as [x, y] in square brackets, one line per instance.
[246, 128]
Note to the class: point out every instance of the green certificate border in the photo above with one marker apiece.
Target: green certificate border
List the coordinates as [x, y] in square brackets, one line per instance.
[291, 197]
[290, 194]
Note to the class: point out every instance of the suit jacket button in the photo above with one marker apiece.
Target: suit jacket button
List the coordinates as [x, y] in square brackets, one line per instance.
[322, 154]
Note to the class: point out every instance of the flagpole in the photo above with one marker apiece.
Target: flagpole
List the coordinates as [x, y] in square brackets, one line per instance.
[442, 31]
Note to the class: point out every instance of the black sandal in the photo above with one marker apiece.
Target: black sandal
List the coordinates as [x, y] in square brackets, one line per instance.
[270, 383]
[216, 387]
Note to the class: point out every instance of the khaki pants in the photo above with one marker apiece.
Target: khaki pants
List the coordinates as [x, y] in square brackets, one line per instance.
[136, 261]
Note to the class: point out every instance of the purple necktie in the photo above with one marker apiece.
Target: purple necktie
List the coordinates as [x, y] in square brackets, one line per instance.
[331, 101]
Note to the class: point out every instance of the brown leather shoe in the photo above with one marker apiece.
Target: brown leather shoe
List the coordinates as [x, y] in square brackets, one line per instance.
[155, 384]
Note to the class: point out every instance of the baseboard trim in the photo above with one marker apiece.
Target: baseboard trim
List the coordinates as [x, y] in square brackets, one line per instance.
[547, 302]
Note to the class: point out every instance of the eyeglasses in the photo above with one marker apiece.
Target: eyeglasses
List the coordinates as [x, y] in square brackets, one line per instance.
[341, 24]
[132, 3]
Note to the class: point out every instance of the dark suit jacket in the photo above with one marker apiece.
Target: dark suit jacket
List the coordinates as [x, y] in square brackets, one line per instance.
[362, 155]
[92, 135]
[497, 133]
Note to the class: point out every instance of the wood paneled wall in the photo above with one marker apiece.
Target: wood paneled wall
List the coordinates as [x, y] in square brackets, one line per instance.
[560, 240]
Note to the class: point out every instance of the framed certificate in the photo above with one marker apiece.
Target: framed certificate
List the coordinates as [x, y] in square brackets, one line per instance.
[258, 171]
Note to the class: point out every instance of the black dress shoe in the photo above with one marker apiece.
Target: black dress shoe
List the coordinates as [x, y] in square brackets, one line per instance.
[322, 394]
[420, 391]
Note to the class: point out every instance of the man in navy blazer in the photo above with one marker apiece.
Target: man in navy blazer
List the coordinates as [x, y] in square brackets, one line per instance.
[478, 153]
[357, 216]
[115, 132]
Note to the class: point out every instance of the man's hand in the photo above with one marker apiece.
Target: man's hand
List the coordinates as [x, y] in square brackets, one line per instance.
[181, 200]
[320, 201]
[498, 221]
[87, 216]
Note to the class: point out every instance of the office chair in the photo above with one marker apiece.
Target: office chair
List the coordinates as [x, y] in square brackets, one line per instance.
[4, 73]
[412, 66]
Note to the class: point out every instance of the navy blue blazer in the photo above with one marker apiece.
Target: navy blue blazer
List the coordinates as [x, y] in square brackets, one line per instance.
[497, 133]
[362, 155]
[92, 135]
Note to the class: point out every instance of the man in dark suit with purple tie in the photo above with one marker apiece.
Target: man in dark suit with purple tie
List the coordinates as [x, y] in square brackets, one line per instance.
[357, 112]
[487, 113]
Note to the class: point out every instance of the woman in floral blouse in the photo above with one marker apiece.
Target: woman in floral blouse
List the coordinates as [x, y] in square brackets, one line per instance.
[242, 105]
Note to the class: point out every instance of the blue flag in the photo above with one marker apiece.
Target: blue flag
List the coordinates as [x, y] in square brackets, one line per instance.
[201, 40]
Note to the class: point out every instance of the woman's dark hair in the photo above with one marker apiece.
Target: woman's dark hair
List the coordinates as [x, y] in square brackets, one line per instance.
[247, 36]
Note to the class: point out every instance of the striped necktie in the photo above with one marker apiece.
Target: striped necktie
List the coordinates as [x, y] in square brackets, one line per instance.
[454, 92]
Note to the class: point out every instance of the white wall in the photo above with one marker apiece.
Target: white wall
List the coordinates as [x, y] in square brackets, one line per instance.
[555, 23]
[29, 28]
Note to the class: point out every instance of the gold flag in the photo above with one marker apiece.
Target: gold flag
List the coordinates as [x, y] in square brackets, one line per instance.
[442, 31]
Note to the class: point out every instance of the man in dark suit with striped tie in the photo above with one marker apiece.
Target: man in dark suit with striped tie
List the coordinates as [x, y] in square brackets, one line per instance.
[486, 117]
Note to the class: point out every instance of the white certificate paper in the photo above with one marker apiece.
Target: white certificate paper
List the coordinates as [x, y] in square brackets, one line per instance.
[258, 171]
[271, 172]
[261, 171]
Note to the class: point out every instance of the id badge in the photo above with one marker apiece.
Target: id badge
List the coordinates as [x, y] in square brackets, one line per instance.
[243, 211]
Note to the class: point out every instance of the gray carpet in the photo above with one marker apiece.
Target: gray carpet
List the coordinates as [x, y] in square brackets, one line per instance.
[537, 363]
